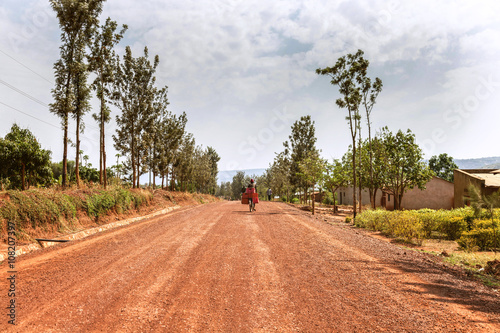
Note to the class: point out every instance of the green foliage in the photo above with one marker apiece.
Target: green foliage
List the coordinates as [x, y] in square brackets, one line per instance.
[350, 75]
[404, 168]
[22, 160]
[453, 227]
[88, 174]
[34, 209]
[295, 200]
[237, 185]
[99, 203]
[102, 63]
[301, 145]
[443, 166]
[329, 198]
[485, 235]
[71, 93]
[418, 224]
[134, 94]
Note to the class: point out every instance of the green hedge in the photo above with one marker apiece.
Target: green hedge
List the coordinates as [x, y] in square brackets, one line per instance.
[416, 225]
[485, 235]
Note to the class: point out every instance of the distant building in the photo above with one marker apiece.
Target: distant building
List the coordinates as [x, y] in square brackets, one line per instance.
[487, 180]
[439, 194]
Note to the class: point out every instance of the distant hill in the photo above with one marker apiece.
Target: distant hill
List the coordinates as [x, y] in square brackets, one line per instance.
[227, 176]
[479, 163]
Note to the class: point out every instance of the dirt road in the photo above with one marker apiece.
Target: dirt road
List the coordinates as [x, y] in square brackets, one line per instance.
[219, 268]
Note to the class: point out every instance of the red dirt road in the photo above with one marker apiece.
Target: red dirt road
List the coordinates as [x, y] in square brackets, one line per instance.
[219, 268]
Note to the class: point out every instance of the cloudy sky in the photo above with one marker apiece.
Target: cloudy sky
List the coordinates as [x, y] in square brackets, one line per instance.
[244, 71]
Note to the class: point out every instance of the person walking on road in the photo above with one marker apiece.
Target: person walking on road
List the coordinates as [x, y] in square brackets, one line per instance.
[269, 193]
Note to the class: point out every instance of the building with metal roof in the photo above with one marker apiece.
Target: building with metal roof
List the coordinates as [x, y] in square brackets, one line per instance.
[487, 180]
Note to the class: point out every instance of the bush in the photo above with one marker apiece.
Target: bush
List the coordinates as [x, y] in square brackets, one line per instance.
[372, 219]
[407, 225]
[453, 227]
[484, 239]
[328, 198]
[295, 200]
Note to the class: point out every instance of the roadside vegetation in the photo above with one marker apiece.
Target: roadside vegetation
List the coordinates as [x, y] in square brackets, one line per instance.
[51, 212]
[473, 232]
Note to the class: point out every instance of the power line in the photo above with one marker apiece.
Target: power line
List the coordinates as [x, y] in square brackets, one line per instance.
[43, 121]
[23, 93]
[20, 63]
[38, 101]
[27, 114]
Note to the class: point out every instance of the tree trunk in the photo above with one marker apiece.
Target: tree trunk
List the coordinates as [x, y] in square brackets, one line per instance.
[23, 176]
[77, 159]
[354, 176]
[132, 158]
[100, 144]
[138, 171]
[372, 198]
[103, 173]
[360, 197]
[313, 199]
[105, 180]
[65, 153]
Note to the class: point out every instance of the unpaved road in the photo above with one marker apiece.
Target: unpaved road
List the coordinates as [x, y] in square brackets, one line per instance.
[219, 268]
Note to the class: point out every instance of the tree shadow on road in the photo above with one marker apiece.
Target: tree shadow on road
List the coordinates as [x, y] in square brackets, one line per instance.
[457, 287]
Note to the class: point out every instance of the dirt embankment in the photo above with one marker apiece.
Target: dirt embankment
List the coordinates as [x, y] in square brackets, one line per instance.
[49, 213]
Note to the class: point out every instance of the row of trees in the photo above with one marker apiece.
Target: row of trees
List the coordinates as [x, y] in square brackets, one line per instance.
[149, 136]
[392, 162]
[389, 162]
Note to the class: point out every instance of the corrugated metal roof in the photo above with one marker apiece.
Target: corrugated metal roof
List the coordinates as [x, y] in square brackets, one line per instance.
[491, 179]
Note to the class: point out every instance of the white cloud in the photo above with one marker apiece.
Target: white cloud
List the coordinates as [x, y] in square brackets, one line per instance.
[224, 60]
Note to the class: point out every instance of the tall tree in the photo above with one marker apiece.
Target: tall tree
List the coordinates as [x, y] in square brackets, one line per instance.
[102, 63]
[311, 170]
[238, 184]
[348, 74]
[404, 164]
[279, 174]
[213, 158]
[133, 94]
[183, 163]
[81, 106]
[443, 166]
[336, 175]
[370, 93]
[77, 20]
[172, 132]
[302, 142]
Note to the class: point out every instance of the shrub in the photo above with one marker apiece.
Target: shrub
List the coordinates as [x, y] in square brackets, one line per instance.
[372, 219]
[406, 225]
[295, 200]
[99, 203]
[328, 198]
[484, 239]
[453, 227]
